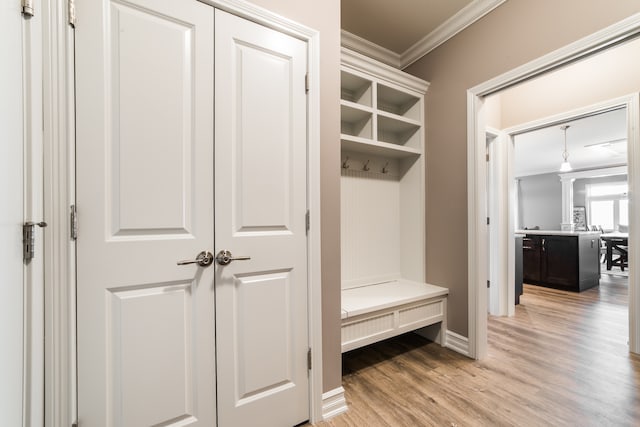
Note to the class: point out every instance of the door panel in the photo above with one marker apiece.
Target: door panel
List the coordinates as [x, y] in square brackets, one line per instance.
[154, 107]
[146, 350]
[261, 303]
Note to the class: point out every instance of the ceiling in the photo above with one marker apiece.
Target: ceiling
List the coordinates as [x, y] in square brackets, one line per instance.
[400, 32]
[397, 25]
[597, 141]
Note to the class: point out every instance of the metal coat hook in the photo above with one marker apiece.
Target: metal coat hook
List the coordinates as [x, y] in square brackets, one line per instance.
[366, 166]
[345, 164]
[384, 168]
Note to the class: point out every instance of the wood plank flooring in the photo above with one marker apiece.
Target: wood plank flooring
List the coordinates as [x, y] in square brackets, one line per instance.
[562, 360]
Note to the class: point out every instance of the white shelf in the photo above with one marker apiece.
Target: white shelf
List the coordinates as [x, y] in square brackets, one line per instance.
[397, 130]
[356, 89]
[375, 297]
[351, 112]
[380, 311]
[364, 145]
[397, 102]
[383, 207]
[400, 120]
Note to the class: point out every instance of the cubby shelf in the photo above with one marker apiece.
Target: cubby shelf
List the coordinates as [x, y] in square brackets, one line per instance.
[383, 149]
[383, 206]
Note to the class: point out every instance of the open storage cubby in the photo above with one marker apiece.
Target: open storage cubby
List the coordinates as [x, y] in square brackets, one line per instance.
[382, 206]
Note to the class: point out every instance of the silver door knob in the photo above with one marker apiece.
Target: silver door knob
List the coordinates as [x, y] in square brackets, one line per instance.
[203, 259]
[224, 257]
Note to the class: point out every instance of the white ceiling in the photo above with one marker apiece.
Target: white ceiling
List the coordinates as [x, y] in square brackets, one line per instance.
[540, 151]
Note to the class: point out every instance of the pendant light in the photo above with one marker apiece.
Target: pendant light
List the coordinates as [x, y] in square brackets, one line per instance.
[565, 166]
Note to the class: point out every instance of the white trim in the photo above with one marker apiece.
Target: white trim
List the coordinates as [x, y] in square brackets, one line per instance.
[333, 403]
[501, 265]
[477, 184]
[33, 327]
[595, 173]
[476, 226]
[315, 235]
[370, 49]
[383, 72]
[60, 394]
[59, 193]
[633, 178]
[457, 343]
[452, 26]
[623, 30]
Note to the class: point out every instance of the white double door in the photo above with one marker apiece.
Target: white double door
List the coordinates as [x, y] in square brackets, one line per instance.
[191, 137]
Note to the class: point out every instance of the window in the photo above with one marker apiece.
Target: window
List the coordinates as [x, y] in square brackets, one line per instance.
[608, 205]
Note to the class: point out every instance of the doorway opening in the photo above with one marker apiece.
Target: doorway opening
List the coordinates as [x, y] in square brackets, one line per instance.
[553, 107]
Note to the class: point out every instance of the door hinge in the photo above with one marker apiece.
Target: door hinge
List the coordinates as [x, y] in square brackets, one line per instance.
[488, 221]
[306, 83]
[27, 8]
[488, 283]
[307, 221]
[487, 157]
[74, 424]
[71, 8]
[29, 239]
[73, 223]
[309, 359]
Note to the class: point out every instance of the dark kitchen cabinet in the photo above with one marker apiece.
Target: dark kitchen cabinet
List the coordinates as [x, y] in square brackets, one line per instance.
[518, 268]
[531, 259]
[564, 261]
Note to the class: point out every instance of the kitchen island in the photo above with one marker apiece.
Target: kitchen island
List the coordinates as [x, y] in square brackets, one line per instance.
[567, 260]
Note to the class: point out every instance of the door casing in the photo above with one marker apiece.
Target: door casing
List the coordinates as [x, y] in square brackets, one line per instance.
[58, 108]
[24, 128]
[476, 171]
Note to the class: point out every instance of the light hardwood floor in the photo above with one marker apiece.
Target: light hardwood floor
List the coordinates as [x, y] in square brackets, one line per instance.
[562, 360]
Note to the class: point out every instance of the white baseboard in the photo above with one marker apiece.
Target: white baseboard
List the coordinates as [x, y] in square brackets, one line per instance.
[457, 343]
[333, 403]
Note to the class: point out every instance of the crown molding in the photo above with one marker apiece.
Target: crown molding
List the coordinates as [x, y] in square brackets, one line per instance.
[458, 22]
[370, 49]
[364, 64]
[452, 26]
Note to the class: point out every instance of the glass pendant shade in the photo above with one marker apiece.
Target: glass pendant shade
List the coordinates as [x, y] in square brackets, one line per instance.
[565, 166]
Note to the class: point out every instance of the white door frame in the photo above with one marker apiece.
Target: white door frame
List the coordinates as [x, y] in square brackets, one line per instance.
[34, 289]
[501, 246]
[506, 220]
[476, 176]
[60, 361]
[22, 35]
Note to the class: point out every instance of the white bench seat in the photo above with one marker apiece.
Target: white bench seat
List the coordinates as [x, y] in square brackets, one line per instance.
[378, 311]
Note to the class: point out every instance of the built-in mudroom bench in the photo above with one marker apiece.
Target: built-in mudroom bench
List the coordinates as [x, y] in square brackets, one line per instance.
[384, 292]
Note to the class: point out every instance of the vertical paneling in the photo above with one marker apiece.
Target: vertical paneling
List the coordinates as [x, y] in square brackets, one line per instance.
[371, 220]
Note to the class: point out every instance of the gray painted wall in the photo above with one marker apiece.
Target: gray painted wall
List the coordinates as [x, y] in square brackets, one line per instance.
[540, 201]
[580, 187]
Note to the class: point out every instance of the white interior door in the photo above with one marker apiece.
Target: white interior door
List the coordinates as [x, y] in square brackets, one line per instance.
[144, 85]
[261, 303]
[11, 215]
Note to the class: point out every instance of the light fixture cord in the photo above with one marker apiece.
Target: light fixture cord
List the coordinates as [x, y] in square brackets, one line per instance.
[565, 153]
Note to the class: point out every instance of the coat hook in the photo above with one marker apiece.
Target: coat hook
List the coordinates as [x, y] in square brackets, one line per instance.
[345, 164]
[384, 168]
[366, 166]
